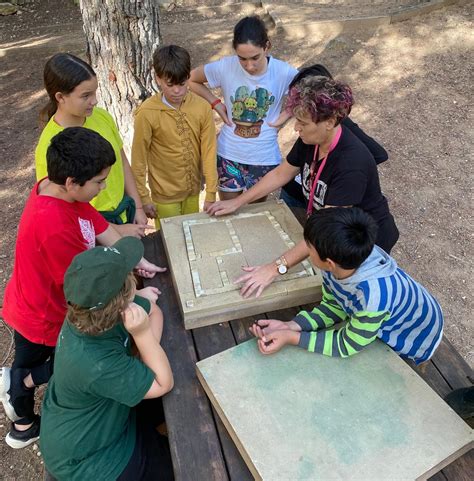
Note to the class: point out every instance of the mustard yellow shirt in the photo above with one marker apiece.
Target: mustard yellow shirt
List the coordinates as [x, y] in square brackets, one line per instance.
[173, 149]
[101, 122]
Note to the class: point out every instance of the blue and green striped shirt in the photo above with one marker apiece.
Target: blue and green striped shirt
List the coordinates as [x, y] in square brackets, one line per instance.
[378, 300]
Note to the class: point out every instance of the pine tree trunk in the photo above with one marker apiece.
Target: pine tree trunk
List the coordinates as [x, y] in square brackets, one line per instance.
[121, 37]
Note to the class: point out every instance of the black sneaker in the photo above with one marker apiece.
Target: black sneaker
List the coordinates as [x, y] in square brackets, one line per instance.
[462, 401]
[5, 382]
[20, 439]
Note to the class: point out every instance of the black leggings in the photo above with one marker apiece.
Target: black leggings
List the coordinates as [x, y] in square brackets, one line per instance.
[34, 359]
[387, 234]
[151, 458]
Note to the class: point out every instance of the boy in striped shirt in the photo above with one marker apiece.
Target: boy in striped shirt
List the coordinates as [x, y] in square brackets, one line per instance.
[363, 286]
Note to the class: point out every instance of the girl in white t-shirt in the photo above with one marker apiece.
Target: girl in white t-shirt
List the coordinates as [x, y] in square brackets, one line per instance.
[253, 85]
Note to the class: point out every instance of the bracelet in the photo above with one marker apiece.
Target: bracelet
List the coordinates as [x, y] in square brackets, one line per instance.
[139, 207]
[216, 102]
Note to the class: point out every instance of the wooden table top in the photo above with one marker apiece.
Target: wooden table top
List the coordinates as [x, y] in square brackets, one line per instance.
[201, 448]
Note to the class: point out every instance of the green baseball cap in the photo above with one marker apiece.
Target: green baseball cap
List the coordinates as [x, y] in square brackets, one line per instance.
[97, 275]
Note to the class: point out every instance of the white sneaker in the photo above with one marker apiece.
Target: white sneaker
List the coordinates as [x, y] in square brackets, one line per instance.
[4, 396]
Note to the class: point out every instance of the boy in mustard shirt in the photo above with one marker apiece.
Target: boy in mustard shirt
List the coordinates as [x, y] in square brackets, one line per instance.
[174, 142]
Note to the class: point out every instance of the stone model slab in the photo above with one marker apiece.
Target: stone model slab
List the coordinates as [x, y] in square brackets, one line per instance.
[297, 415]
[206, 255]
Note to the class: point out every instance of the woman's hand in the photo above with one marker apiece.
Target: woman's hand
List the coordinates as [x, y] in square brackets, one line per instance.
[222, 207]
[281, 120]
[207, 205]
[221, 109]
[148, 270]
[256, 279]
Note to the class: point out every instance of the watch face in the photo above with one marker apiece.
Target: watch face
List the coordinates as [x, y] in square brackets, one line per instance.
[282, 269]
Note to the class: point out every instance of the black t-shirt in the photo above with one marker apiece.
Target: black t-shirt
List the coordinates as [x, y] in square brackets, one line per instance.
[379, 153]
[349, 177]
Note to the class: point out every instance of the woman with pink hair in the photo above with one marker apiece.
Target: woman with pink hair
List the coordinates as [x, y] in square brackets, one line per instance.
[337, 170]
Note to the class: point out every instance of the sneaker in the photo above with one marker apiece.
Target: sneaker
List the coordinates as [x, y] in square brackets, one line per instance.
[20, 439]
[5, 396]
[462, 401]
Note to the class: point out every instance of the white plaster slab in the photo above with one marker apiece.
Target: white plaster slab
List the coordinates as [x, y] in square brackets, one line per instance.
[206, 255]
[297, 415]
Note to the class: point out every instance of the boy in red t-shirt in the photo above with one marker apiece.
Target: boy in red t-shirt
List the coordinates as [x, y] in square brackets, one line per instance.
[57, 224]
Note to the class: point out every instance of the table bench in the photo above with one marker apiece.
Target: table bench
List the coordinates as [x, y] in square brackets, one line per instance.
[201, 448]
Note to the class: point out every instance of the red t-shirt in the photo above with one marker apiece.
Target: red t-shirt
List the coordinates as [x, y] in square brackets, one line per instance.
[51, 232]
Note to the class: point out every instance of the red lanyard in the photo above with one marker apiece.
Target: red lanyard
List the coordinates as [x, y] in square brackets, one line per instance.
[315, 178]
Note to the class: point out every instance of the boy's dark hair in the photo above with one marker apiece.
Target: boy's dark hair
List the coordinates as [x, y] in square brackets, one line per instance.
[251, 30]
[172, 63]
[79, 153]
[311, 71]
[344, 235]
[63, 72]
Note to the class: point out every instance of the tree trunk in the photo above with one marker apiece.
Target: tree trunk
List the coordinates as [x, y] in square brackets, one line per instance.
[121, 37]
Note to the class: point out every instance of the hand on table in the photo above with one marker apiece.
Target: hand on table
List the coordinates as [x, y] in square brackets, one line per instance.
[263, 327]
[273, 342]
[222, 207]
[207, 205]
[256, 279]
[148, 270]
[133, 230]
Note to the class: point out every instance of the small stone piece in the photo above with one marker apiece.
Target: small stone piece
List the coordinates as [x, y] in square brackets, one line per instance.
[8, 9]
[337, 44]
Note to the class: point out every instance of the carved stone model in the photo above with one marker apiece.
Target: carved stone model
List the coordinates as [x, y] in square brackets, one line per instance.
[206, 255]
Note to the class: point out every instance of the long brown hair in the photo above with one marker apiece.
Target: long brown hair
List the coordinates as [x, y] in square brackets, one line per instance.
[63, 72]
[93, 322]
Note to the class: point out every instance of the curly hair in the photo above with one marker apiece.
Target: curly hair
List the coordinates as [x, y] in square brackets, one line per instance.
[97, 321]
[320, 97]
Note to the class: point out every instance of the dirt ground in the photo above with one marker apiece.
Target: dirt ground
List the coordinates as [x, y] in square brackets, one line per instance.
[412, 84]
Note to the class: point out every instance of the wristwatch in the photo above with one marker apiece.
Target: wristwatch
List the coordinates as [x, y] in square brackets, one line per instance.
[282, 265]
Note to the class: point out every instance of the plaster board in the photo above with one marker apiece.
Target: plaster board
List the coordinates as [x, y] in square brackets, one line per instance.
[299, 415]
[206, 255]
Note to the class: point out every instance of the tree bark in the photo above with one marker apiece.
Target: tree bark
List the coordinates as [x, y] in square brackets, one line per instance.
[121, 37]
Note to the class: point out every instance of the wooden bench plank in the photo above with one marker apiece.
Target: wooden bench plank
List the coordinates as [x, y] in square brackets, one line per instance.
[187, 410]
[240, 328]
[431, 376]
[462, 469]
[209, 341]
[438, 477]
[452, 366]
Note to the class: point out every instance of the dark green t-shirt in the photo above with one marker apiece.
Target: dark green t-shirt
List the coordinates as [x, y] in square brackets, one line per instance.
[87, 426]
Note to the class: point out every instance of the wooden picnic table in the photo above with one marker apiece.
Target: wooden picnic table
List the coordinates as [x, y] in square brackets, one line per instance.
[201, 448]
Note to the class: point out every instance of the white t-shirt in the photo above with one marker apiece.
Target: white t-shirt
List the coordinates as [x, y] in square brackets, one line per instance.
[251, 102]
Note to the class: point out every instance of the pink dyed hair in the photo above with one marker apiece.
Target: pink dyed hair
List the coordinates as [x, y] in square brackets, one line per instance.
[321, 98]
